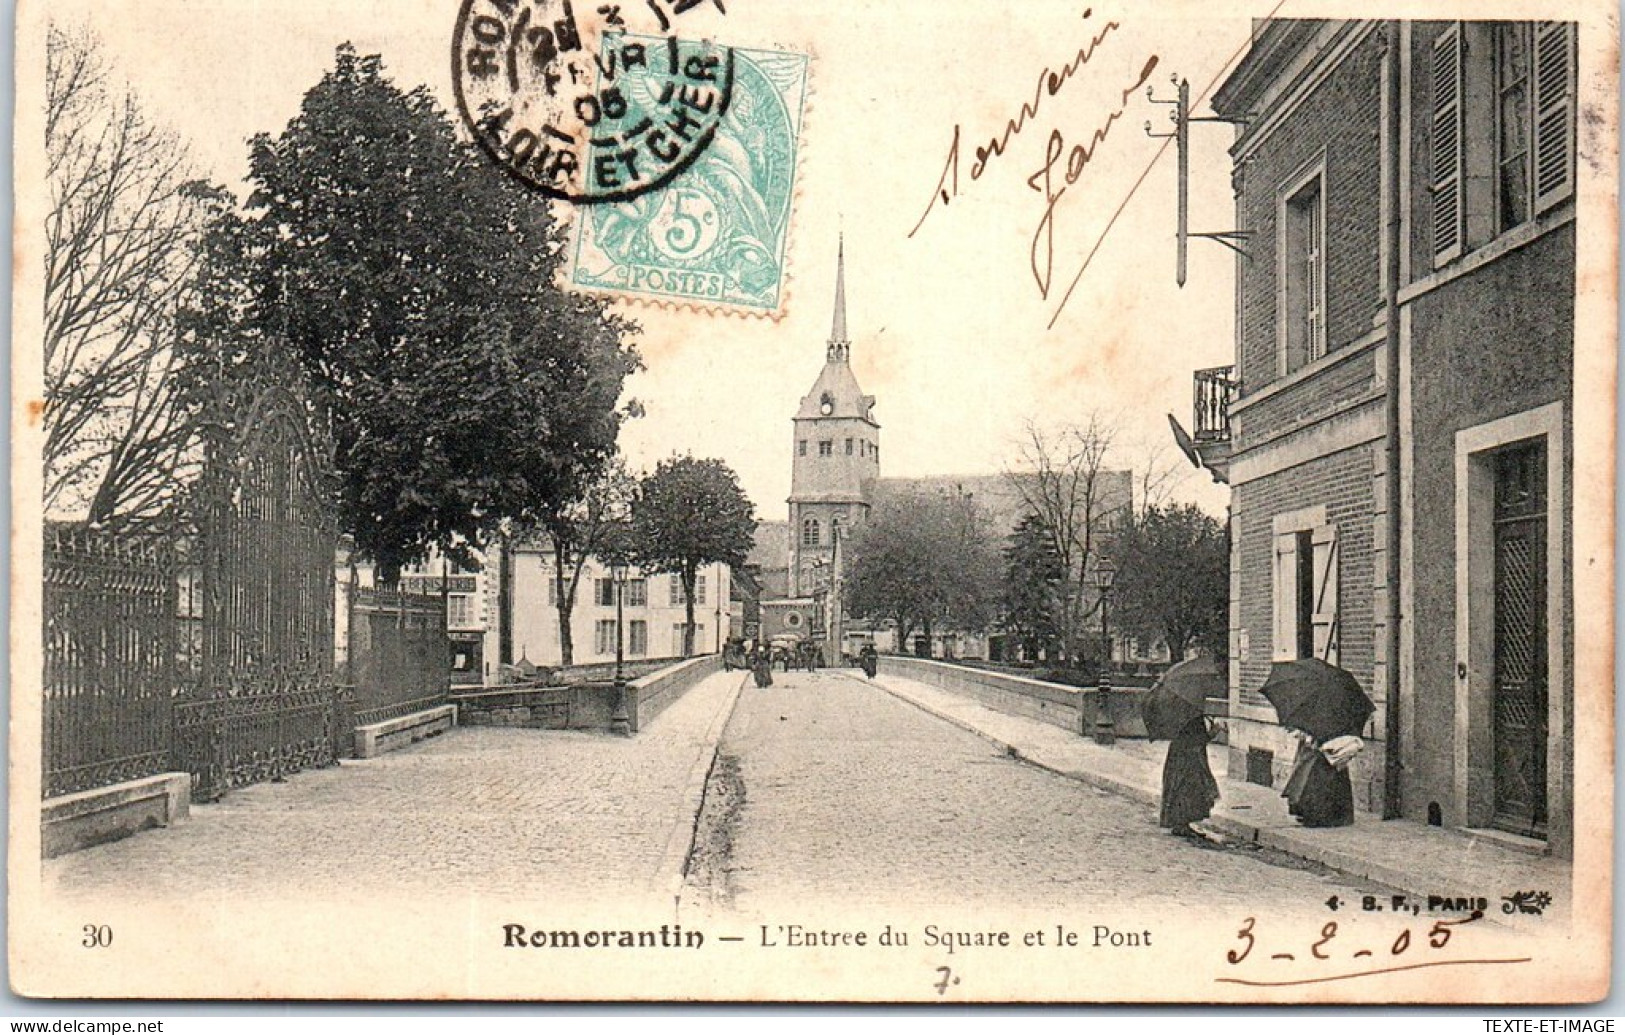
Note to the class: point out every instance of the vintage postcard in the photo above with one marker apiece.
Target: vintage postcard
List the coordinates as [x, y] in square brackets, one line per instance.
[738, 500]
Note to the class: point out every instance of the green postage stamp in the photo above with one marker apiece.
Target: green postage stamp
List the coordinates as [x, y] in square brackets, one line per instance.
[716, 235]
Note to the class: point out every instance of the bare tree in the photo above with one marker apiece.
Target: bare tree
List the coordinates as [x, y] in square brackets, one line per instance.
[1065, 482]
[124, 214]
[1158, 474]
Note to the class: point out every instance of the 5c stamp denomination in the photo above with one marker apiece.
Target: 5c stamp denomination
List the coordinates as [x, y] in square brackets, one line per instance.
[717, 234]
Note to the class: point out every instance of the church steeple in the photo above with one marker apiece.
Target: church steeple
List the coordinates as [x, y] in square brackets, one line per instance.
[839, 345]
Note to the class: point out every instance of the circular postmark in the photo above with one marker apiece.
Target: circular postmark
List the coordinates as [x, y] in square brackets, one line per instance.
[580, 107]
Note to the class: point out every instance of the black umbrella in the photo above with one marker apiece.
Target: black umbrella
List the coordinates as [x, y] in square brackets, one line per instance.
[1180, 696]
[1321, 699]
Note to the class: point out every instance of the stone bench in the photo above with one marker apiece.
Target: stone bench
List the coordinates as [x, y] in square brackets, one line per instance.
[74, 821]
[376, 738]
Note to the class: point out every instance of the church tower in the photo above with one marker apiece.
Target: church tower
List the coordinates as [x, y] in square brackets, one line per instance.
[835, 458]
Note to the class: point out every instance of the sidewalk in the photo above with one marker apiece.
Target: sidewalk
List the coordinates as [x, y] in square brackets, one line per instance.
[1410, 857]
[538, 815]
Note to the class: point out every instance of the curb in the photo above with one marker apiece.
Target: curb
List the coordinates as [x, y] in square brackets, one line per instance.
[672, 873]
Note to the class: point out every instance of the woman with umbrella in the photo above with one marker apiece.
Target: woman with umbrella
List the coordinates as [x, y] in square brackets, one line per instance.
[1326, 708]
[1175, 710]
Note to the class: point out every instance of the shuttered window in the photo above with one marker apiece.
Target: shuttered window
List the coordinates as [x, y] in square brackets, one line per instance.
[1554, 113]
[1448, 153]
[1284, 633]
[1323, 616]
[1513, 127]
[1306, 615]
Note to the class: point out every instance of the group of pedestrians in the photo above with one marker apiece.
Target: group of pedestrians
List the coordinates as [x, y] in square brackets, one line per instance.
[760, 658]
[1321, 705]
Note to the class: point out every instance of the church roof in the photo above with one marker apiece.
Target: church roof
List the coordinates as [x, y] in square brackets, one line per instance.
[836, 383]
[771, 549]
[998, 494]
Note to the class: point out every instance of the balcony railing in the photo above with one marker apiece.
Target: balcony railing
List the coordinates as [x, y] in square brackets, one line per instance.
[1214, 391]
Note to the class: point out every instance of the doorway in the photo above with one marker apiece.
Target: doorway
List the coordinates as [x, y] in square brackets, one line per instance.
[1520, 680]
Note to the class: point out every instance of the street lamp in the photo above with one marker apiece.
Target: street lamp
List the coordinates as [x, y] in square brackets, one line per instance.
[620, 723]
[1105, 730]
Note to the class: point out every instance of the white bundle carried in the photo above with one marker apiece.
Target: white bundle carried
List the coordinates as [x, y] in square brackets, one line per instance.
[1340, 751]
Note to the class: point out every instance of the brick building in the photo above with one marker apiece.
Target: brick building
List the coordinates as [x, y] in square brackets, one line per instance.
[1404, 314]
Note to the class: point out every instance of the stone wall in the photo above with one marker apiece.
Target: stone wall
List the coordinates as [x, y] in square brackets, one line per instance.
[1030, 698]
[583, 706]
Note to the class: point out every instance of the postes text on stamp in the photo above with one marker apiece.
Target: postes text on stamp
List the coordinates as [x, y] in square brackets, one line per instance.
[717, 234]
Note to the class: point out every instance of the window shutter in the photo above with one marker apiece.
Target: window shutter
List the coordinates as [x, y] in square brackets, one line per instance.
[1325, 618]
[1449, 156]
[1284, 635]
[1554, 113]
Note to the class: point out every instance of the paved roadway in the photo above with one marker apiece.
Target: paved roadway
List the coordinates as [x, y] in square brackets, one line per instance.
[826, 789]
[852, 797]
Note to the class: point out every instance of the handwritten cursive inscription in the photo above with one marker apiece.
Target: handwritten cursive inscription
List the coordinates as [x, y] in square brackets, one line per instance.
[1049, 84]
[1043, 247]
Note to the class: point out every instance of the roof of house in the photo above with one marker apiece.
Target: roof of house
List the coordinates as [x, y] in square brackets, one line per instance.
[771, 550]
[1000, 495]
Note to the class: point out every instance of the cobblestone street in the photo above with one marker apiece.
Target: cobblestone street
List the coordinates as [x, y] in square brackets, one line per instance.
[518, 812]
[852, 797]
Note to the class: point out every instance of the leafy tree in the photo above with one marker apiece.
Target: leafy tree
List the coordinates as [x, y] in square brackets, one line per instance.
[590, 525]
[689, 513]
[1032, 586]
[1173, 575]
[926, 561]
[414, 283]
[123, 220]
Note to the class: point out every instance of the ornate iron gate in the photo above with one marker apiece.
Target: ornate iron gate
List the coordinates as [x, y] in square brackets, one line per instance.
[1520, 640]
[261, 700]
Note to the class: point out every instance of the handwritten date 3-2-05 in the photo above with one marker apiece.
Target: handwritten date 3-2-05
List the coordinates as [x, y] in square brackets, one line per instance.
[1341, 951]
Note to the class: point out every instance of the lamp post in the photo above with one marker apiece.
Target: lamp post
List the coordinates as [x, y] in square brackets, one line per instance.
[620, 723]
[1105, 729]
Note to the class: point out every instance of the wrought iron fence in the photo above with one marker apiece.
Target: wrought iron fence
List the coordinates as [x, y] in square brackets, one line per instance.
[213, 653]
[399, 655]
[109, 627]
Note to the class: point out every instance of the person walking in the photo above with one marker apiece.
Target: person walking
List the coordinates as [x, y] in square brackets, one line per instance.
[869, 660]
[1188, 787]
[761, 667]
[1319, 792]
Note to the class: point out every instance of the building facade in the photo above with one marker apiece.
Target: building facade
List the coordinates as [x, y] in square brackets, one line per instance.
[471, 608]
[1404, 314]
[652, 613]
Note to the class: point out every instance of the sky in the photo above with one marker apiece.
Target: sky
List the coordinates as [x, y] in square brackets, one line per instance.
[950, 328]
